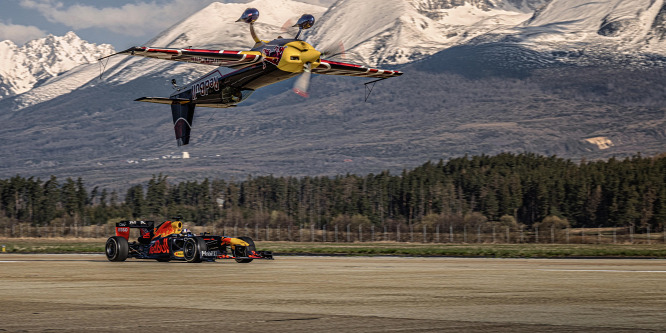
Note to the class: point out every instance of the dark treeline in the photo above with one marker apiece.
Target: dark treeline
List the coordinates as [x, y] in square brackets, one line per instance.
[519, 188]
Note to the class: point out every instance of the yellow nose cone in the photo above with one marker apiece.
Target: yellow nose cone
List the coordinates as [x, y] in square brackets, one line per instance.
[296, 54]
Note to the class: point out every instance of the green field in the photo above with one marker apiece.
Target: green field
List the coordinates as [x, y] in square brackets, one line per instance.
[81, 245]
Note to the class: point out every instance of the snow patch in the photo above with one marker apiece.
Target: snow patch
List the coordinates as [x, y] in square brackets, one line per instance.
[601, 142]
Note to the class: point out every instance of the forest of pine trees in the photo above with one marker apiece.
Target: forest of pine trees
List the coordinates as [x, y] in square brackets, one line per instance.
[523, 188]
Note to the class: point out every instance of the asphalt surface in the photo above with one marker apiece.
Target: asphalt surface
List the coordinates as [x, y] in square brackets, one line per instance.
[72, 293]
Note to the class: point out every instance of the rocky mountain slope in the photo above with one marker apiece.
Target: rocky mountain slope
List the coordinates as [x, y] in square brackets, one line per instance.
[492, 91]
[619, 25]
[99, 133]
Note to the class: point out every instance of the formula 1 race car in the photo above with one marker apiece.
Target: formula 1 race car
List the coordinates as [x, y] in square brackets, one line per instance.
[169, 241]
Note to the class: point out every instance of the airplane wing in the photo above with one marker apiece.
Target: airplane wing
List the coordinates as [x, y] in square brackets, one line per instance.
[226, 58]
[341, 68]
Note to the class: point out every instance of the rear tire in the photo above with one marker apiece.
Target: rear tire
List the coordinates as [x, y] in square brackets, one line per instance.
[250, 249]
[117, 248]
[192, 249]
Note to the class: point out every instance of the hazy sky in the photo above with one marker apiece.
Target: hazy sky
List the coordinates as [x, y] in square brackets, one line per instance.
[121, 23]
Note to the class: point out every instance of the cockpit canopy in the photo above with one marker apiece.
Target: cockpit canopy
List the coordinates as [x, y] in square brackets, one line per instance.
[249, 15]
[305, 22]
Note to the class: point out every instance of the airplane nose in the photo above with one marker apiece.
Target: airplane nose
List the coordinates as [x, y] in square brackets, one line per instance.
[310, 56]
[297, 55]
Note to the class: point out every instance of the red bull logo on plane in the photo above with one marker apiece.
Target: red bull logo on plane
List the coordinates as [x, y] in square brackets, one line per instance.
[273, 55]
[207, 85]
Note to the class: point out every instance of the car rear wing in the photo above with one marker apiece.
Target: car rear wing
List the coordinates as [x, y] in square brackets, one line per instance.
[145, 227]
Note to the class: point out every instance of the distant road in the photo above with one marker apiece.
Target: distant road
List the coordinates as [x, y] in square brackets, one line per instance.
[85, 292]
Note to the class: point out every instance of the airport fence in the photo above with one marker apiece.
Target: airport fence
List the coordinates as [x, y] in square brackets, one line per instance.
[439, 234]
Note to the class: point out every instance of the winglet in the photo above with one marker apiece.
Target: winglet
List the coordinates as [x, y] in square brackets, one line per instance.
[130, 50]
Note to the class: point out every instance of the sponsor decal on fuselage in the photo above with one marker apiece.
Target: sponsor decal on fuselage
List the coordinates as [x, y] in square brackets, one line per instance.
[274, 54]
[204, 86]
[208, 61]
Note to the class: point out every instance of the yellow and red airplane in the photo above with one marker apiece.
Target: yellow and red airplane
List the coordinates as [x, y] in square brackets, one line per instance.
[266, 63]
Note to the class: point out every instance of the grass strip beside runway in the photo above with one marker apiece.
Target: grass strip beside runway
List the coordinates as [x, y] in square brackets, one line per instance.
[93, 245]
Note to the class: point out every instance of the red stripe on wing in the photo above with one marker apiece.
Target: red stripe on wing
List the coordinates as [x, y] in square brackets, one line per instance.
[163, 51]
[227, 58]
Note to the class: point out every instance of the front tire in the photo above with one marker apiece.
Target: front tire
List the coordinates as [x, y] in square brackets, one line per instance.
[117, 248]
[192, 249]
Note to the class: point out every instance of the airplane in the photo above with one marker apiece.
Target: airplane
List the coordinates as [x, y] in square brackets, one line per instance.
[268, 62]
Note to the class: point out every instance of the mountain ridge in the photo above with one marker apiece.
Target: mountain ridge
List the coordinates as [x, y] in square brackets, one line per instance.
[491, 94]
[26, 67]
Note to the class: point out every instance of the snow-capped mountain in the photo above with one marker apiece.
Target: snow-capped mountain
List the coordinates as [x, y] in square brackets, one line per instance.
[91, 127]
[213, 27]
[24, 67]
[618, 25]
[380, 32]
[402, 31]
[373, 32]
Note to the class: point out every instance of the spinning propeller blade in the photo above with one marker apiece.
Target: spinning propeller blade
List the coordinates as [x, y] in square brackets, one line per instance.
[288, 27]
[303, 81]
[333, 50]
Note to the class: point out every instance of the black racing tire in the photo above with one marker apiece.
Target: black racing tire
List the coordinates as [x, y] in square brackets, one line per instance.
[117, 248]
[192, 249]
[250, 248]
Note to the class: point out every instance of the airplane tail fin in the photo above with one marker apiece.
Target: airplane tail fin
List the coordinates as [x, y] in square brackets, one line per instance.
[183, 114]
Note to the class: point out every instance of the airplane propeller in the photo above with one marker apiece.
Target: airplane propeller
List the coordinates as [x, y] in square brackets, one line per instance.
[333, 50]
[303, 81]
[306, 21]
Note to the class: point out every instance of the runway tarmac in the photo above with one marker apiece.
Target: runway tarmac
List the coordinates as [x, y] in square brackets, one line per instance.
[331, 294]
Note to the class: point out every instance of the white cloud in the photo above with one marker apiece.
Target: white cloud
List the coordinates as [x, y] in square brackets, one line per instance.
[130, 19]
[19, 34]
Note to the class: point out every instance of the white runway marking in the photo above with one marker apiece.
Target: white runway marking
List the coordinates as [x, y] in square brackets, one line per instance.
[599, 270]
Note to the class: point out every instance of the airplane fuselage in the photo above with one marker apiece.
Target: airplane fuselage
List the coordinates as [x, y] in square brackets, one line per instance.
[268, 62]
[282, 59]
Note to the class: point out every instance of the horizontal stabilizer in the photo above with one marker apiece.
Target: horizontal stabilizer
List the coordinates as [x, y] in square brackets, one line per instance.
[219, 106]
[163, 100]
